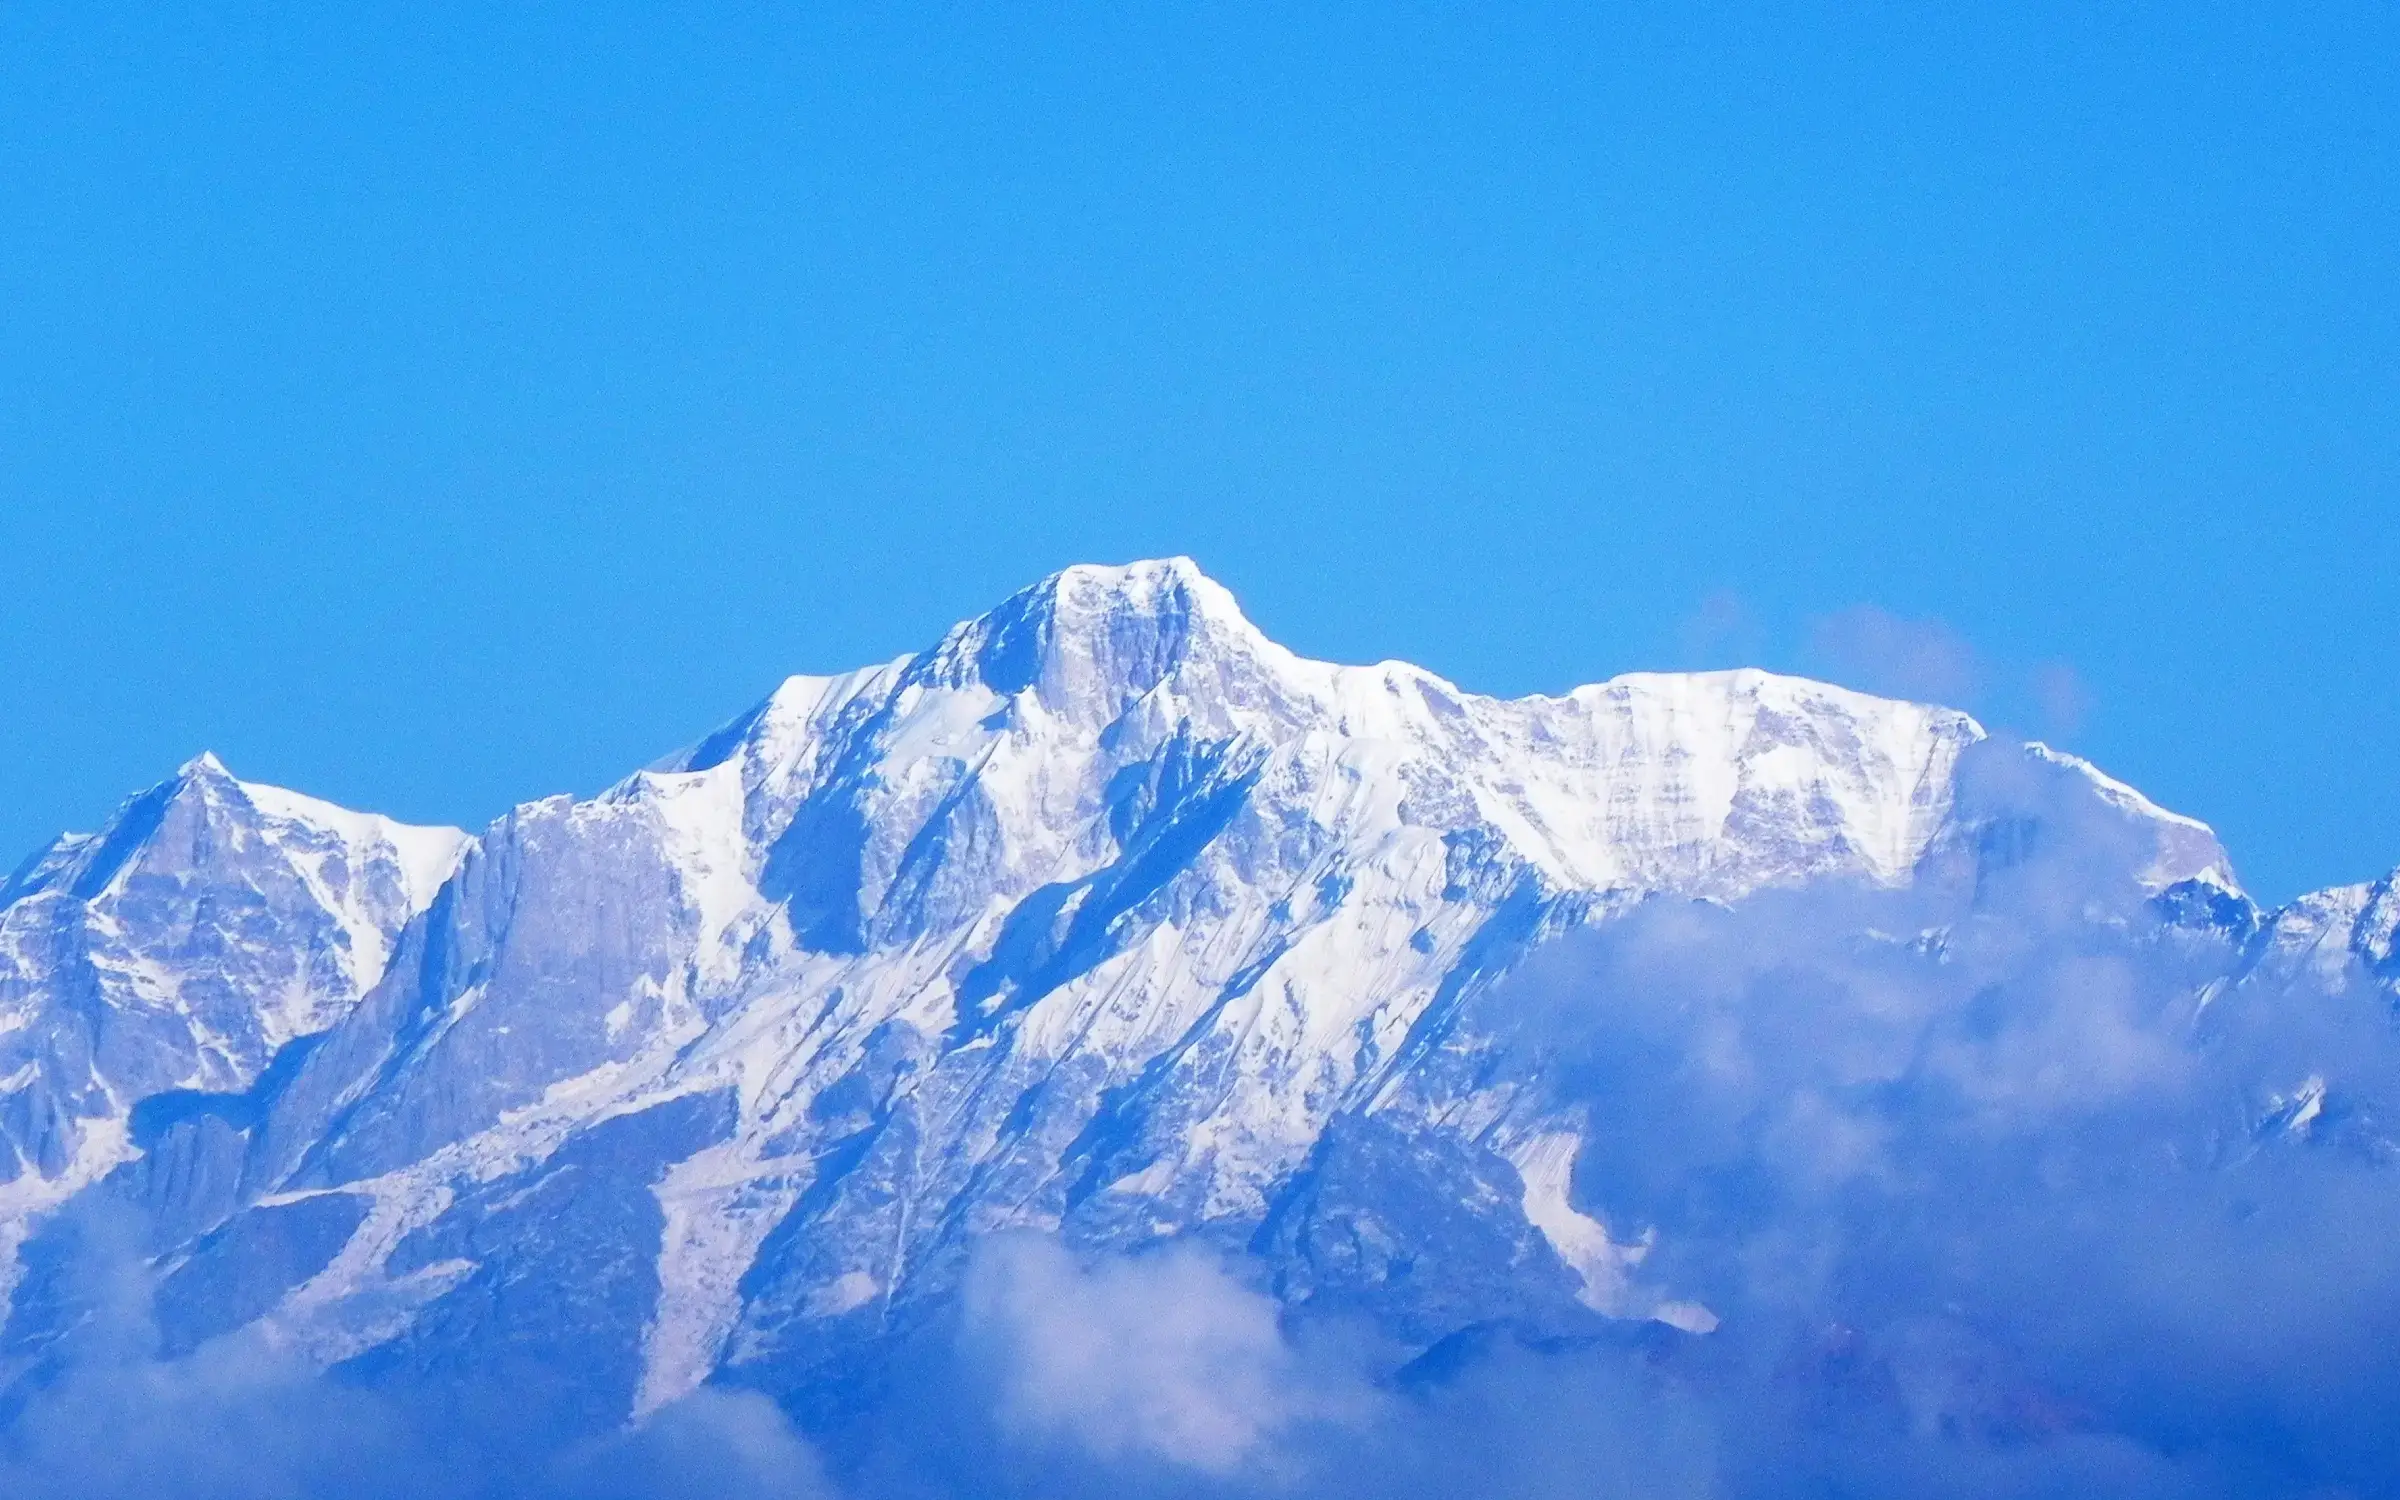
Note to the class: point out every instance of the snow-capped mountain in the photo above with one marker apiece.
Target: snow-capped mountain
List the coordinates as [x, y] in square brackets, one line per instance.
[1105, 915]
[210, 925]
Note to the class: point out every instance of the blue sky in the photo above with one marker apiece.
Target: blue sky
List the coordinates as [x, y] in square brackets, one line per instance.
[438, 410]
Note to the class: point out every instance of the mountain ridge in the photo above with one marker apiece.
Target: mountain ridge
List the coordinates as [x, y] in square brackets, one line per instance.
[1103, 915]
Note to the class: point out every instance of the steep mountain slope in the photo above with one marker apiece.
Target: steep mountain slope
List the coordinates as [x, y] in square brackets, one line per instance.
[208, 926]
[1105, 915]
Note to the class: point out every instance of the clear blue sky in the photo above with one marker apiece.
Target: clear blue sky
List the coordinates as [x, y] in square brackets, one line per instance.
[444, 409]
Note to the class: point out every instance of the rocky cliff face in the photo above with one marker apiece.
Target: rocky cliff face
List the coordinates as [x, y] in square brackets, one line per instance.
[1104, 916]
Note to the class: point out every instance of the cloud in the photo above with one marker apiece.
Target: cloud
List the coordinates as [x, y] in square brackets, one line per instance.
[1995, 1183]
[1719, 632]
[1871, 648]
[1923, 658]
[722, 1444]
[2061, 700]
[237, 1421]
[103, 1415]
[1163, 1358]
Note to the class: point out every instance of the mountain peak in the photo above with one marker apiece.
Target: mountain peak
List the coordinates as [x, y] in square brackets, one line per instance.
[1128, 626]
[1171, 589]
[204, 766]
[1141, 576]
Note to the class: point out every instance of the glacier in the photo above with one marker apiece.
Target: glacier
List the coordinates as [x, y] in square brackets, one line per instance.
[1105, 918]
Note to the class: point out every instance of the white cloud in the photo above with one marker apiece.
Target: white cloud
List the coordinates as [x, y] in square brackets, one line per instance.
[1161, 1357]
[1874, 649]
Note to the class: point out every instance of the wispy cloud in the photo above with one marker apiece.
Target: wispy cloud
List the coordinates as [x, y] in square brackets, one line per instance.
[1719, 632]
[1870, 647]
[2060, 697]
